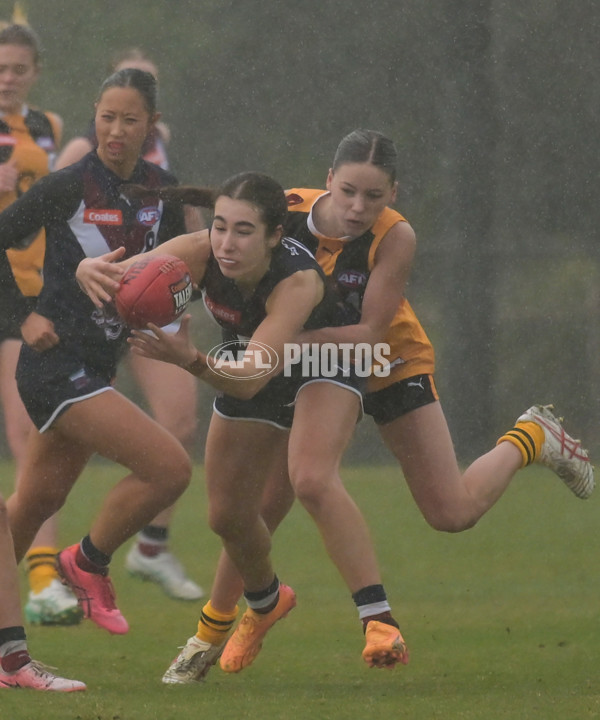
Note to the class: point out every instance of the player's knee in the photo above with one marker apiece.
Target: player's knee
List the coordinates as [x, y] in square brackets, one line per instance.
[309, 486]
[175, 473]
[448, 522]
[224, 524]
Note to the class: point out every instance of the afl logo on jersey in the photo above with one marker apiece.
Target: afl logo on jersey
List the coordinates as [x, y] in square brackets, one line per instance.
[352, 279]
[102, 217]
[148, 216]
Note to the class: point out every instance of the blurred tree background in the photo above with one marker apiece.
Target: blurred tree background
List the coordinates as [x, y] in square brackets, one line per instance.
[493, 105]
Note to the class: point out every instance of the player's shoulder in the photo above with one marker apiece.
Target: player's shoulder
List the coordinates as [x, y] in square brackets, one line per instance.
[391, 221]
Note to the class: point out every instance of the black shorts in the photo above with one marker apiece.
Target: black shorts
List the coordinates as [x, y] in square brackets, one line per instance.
[10, 326]
[400, 398]
[51, 381]
[274, 404]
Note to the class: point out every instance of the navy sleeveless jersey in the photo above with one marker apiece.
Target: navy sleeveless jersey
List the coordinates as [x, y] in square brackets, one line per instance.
[85, 214]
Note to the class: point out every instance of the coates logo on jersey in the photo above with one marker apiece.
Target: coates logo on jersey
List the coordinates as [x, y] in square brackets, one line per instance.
[102, 217]
[148, 216]
[352, 279]
[228, 357]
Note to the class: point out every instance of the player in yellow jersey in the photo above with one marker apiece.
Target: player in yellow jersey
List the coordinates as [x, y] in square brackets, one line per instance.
[367, 249]
[29, 140]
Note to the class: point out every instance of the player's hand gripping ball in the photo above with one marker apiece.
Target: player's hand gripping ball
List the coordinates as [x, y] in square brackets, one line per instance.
[154, 289]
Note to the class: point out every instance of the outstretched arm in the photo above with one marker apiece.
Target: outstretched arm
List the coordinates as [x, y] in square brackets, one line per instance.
[99, 277]
[288, 308]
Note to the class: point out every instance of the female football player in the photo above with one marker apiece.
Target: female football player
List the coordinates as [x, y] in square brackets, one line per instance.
[367, 249]
[263, 288]
[30, 139]
[67, 385]
[170, 392]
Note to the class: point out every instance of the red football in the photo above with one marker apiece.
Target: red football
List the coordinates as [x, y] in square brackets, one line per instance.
[154, 289]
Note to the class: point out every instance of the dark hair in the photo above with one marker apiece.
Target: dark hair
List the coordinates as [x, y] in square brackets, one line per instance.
[140, 80]
[260, 190]
[367, 146]
[21, 35]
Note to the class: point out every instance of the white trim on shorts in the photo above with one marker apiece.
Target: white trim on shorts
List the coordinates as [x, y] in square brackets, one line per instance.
[249, 419]
[70, 401]
[333, 382]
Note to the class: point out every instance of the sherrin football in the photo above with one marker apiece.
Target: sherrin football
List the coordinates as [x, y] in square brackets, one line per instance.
[154, 289]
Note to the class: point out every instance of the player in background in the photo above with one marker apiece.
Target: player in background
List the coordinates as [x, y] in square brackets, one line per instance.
[170, 392]
[367, 249]
[17, 669]
[262, 288]
[66, 383]
[29, 140]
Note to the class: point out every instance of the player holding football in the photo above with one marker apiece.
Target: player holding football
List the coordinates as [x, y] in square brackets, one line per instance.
[355, 234]
[66, 382]
[263, 289]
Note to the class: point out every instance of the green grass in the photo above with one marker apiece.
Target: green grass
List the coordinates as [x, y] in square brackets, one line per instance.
[501, 621]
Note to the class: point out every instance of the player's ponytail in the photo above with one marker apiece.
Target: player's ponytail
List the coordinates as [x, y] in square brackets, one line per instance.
[174, 194]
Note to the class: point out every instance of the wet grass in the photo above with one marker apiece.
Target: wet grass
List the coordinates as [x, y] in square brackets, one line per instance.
[502, 621]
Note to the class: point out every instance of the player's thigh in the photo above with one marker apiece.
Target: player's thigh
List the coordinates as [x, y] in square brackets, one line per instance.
[114, 427]
[421, 442]
[51, 467]
[238, 460]
[325, 416]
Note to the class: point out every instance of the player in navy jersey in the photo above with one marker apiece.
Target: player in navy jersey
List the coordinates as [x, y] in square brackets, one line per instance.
[67, 384]
[263, 289]
[171, 394]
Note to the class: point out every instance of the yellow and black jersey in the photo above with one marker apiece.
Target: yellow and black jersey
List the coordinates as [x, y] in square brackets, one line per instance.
[349, 261]
[30, 139]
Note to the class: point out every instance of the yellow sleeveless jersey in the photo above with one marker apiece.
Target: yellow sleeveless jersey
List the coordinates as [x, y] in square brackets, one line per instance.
[30, 139]
[349, 262]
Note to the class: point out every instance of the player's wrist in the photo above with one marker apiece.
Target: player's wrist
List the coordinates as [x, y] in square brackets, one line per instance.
[199, 364]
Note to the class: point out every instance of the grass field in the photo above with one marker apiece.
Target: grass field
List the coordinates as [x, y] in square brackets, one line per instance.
[501, 621]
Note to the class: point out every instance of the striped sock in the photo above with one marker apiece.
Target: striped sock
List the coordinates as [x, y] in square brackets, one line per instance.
[40, 564]
[13, 648]
[528, 437]
[372, 604]
[263, 601]
[214, 625]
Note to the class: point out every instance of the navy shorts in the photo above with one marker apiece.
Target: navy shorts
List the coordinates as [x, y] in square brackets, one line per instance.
[400, 398]
[51, 381]
[274, 404]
